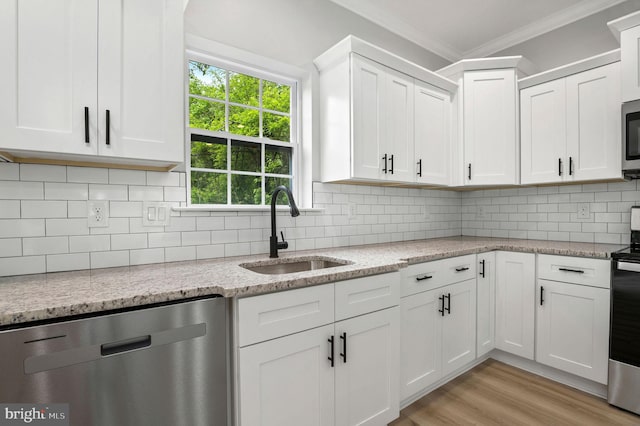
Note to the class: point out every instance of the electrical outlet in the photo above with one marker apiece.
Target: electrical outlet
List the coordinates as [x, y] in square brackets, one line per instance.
[583, 211]
[98, 214]
[353, 211]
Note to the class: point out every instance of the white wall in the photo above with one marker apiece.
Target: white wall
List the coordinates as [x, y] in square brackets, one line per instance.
[579, 40]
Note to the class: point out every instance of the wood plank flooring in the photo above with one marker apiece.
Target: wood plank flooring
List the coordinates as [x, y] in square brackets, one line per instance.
[494, 393]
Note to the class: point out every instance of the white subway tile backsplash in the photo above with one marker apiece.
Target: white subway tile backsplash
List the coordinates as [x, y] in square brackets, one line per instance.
[109, 259]
[240, 249]
[128, 241]
[125, 209]
[108, 192]
[89, 243]
[182, 224]
[146, 193]
[9, 209]
[22, 265]
[244, 222]
[77, 209]
[10, 247]
[146, 256]
[210, 251]
[196, 238]
[9, 171]
[163, 178]
[66, 191]
[67, 262]
[87, 175]
[176, 194]
[43, 209]
[42, 173]
[164, 239]
[22, 228]
[56, 227]
[17, 190]
[127, 177]
[45, 245]
[117, 225]
[177, 254]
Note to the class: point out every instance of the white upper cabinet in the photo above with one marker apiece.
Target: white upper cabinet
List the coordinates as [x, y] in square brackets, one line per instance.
[380, 115]
[570, 127]
[71, 64]
[432, 134]
[486, 148]
[627, 30]
[490, 133]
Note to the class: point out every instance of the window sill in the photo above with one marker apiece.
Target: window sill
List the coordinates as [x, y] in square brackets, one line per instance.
[241, 209]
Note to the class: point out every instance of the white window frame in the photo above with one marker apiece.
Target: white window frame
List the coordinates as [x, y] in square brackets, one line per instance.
[294, 117]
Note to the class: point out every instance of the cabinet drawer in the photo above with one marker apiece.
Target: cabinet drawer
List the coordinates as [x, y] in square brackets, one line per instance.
[577, 270]
[430, 275]
[273, 315]
[363, 295]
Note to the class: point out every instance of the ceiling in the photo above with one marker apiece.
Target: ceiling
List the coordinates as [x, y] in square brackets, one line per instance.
[473, 28]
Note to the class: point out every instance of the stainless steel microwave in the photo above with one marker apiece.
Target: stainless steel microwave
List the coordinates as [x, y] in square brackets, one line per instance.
[631, 135]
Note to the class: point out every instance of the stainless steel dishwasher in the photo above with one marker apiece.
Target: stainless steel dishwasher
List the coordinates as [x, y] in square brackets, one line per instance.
[162, 365]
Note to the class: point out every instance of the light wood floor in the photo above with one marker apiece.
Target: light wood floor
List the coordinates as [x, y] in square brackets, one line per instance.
[494, 393]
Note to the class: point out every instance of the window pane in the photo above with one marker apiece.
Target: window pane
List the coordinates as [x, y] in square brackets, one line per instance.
[244, 121]
[206, 114]
[270, 184]
[243, 89]
[276, 96]
[276, 127]
[208, 152]
[277, 160]
[206, 80]
[208, 188]
[246, 189]
[246, 156]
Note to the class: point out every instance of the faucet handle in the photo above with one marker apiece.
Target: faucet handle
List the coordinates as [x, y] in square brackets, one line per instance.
[282, 235]
[283, 244]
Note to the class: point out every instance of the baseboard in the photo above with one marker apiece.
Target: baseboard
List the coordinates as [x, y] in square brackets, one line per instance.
[551, 373]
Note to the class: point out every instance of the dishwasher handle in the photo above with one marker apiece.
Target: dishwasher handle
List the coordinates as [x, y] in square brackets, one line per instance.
[126, 345]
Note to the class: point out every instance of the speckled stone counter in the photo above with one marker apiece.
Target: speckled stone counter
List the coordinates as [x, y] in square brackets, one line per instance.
[45, 296]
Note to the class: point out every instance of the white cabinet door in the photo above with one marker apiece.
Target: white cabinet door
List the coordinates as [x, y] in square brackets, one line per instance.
[630, 45]
[543, 132]
[486, 306]
[490, 138]
[573, 328]
[459, 326]
[368, 97]
[141, 79]
[515, 299]
[399, 110]
[48, 75]
[593, 123]
[367, 369]
[288, 381]
[420, 342]
[432, 134]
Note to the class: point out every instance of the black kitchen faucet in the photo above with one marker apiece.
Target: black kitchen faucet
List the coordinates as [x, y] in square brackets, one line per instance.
[274, 244]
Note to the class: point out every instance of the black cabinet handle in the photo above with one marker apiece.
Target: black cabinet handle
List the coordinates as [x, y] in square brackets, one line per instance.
[559, 166]
[464, 268]
[577, 271]
[86, 125]
[391, 160]
[420, 167]
[570, 166]
[541, 295]
[384, 169]
[448, 303]
[424, 277]
[482, 271]
[441, 310]
[343, 354]
[107, 138]
[469, 171]
[330, 357]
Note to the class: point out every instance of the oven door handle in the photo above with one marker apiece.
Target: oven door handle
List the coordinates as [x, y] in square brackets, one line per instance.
[628, 266]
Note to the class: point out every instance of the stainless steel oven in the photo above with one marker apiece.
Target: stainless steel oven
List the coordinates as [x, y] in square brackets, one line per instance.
[631, 136]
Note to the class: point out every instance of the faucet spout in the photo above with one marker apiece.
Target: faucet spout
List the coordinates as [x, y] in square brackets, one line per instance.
[274, 244]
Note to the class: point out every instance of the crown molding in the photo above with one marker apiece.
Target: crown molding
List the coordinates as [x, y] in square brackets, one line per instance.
[396, 26]
[535, 29]
[542, 26]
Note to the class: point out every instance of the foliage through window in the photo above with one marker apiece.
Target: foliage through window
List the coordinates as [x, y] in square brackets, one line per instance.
[242, 135]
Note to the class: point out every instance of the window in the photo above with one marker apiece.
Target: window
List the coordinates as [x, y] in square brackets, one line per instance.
[242, 126]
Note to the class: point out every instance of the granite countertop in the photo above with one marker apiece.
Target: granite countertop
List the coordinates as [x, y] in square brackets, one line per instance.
[45, 296]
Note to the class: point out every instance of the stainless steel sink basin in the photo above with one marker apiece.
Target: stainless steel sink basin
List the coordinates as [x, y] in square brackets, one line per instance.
[290, 265]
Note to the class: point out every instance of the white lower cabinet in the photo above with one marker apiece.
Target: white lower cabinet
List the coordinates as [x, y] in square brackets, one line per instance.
[343, 373]
[486, 303]
[515, 299]
[438, 334]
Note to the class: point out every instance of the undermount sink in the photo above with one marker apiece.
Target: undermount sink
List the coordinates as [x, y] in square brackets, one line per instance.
[290, 265]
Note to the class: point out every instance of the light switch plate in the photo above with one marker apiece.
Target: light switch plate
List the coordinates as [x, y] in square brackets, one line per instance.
[156, 213]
